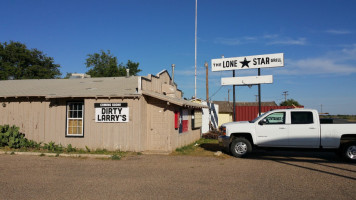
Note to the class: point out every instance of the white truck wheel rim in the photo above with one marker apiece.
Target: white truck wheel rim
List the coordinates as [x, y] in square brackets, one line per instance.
[240, 148]
[351, 152]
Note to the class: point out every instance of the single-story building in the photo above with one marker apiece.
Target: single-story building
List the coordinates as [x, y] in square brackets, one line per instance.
[136, 113]
[226, 111]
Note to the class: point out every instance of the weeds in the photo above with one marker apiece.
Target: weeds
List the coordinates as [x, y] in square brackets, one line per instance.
[115, 157]
[70, 148]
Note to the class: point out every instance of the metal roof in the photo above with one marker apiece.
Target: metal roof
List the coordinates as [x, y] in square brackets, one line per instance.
[176, 101]
[86, 87]
[60, 88]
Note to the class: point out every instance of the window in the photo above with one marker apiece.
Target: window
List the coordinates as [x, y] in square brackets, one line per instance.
[196, 118]
[302, 118]
[276, 118]
[75, 111]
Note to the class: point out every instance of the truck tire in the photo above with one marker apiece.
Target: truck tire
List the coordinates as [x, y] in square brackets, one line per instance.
[349, 151]
[240, 147]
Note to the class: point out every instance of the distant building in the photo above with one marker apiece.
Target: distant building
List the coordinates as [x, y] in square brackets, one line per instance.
[137, 113]
[226, 111]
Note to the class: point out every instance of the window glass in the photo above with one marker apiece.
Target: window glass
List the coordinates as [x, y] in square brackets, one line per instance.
[302, 117]
[276, 118]
[75, 118]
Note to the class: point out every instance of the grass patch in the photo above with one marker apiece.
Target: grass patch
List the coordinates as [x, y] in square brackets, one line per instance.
[202, 147]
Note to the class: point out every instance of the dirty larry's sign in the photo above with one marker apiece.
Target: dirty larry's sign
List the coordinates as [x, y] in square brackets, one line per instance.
[248, 62]
[111, 112]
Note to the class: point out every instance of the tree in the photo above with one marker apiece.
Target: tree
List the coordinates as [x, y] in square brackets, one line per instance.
[290, 102]
[104, 64]
[18, 62]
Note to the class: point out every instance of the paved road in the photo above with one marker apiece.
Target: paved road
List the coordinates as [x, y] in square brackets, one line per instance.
[266, 175]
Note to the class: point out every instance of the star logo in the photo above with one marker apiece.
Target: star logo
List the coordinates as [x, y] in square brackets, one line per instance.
[245, 63]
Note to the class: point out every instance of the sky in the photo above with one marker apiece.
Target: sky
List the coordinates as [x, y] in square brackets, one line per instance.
[317, 37]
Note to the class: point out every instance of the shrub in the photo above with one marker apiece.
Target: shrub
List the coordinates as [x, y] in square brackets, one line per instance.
[10, 136]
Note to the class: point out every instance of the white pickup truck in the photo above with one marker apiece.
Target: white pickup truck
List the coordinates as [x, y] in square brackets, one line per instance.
[289, 128]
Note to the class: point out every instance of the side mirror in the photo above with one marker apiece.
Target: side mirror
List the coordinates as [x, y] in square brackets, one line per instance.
[263, 121]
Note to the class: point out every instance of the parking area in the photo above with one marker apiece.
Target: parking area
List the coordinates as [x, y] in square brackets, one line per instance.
[265, 175]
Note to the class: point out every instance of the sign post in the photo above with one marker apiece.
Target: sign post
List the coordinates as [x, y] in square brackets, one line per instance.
[248, 62]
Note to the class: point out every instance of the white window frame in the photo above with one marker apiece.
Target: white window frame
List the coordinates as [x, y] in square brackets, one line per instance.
[68, 118]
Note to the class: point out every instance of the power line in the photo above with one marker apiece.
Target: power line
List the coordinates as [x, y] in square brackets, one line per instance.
[215, 92]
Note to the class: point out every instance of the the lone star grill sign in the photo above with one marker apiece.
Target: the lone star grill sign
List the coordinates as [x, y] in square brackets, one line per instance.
[248, 62]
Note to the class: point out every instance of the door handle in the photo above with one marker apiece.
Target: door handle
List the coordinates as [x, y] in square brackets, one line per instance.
[311, 128]
[282, 128]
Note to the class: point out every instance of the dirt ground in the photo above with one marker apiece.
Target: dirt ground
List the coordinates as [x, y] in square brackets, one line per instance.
[266, 175]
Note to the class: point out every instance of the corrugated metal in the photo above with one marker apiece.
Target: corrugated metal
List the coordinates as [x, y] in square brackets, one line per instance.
[248, 113]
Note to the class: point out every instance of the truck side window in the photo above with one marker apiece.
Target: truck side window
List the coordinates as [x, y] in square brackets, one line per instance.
[302, 117]
[276, 118]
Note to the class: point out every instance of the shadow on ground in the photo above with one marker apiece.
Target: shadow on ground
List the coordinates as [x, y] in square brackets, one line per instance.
[211, 147]
[280, 155]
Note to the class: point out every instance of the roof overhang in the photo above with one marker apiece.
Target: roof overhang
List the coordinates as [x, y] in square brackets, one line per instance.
[175, 101]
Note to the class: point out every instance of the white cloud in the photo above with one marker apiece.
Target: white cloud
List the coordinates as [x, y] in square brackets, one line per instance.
[269, 39]
[227, 41]
[349, 53]
[338, 32]
[289, 41]
[332, 63]
[314, 66]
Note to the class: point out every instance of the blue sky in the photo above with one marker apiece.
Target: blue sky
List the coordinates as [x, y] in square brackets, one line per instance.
[317, 37]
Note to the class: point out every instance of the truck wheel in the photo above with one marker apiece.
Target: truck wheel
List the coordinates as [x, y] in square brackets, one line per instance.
[240, 147]
[349, 151]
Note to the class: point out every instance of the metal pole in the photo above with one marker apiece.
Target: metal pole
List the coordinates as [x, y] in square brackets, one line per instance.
[207, 81]
[259, 94]
[233, 99]
[196, 25]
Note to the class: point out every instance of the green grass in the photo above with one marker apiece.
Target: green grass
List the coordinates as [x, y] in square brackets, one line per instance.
[202, 147]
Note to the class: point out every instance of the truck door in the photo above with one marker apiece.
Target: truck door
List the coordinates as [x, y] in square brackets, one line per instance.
[273, 132]
[304, 130]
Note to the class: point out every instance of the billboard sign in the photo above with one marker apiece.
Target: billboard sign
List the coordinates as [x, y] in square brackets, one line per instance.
[248, 62]
[247, 80]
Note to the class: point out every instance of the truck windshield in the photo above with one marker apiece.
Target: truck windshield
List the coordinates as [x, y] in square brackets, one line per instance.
[259, 117]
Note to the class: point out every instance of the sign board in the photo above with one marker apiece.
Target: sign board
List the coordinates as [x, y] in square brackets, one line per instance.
[247, 80]
[111, 112]
[248, 62]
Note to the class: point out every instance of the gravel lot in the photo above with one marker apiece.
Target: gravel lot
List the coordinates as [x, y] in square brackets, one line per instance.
[266, 175]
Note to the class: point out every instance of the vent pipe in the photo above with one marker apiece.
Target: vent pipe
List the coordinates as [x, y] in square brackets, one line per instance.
[173, 66]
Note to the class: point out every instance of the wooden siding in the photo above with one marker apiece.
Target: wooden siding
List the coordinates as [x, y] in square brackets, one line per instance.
[155, 84]
[162, 136]
[45, 121]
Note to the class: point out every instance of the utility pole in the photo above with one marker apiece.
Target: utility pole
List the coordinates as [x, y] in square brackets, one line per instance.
[196, 27]
[233, 99]
[207, 81]
[259, 94]
[285, 93]
[256, 97]
[228, 95]
[321, 108]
